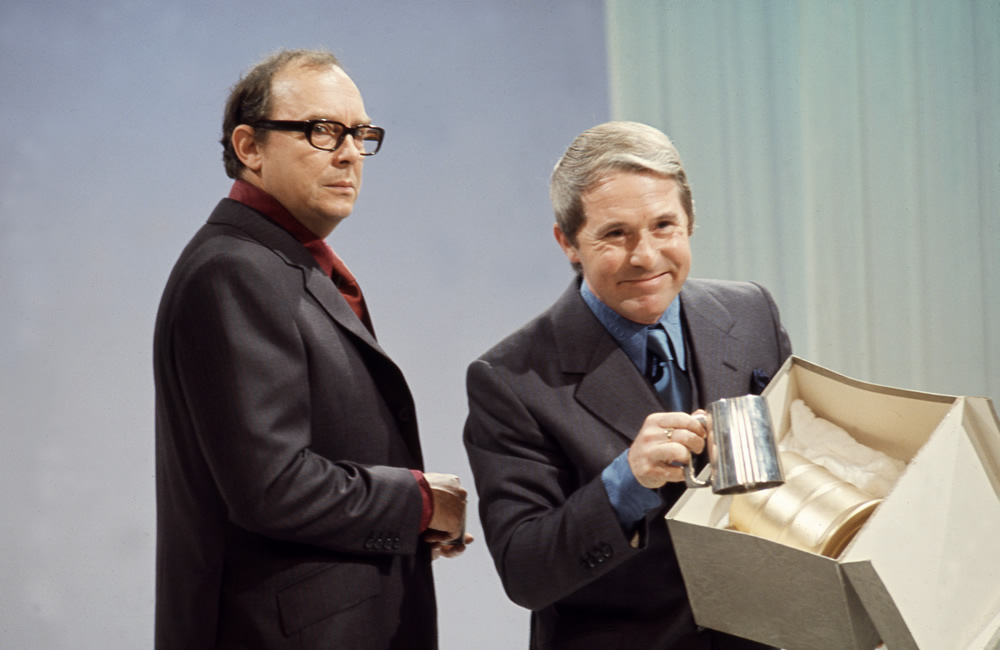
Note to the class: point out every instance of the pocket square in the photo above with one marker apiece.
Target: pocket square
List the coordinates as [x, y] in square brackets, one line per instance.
[758, 381]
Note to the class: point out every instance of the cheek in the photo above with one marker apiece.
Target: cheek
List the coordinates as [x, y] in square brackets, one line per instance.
[612, 263]
[603, 262]
[680, 253]
[607, 271]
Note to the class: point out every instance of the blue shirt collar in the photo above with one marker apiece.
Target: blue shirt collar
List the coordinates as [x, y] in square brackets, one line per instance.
[631, 336]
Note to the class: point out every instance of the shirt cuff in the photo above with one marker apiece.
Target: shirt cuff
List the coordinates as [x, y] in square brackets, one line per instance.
[628, 497]
[427, 510]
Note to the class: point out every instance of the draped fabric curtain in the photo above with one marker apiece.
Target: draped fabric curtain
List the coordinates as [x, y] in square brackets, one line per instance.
[845, 154]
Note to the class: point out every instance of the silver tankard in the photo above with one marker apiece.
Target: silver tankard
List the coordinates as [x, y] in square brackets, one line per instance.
[741, 448]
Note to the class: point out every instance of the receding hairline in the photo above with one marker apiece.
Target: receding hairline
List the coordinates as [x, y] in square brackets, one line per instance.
[280, 79]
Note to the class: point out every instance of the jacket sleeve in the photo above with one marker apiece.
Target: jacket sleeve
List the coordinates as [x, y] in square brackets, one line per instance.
[549, 536]
[242, 372]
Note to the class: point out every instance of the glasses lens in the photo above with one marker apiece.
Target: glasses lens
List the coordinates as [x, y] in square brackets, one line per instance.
[326, 135]
[368, 140]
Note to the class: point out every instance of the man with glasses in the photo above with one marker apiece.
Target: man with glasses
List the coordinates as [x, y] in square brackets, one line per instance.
[291, 506]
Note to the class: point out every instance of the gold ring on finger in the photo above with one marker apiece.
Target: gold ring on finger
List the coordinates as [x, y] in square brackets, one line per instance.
[670, 433]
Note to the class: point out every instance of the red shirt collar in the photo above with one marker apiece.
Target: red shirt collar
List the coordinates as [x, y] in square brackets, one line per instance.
[256, 198]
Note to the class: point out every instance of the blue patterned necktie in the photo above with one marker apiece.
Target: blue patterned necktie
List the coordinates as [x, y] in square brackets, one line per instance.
[667, 378]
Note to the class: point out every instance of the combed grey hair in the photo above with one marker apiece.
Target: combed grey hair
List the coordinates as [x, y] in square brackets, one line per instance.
[627, 146]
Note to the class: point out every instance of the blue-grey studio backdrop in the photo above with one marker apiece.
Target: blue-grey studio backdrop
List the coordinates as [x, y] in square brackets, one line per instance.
[110, 114]
[842, 152]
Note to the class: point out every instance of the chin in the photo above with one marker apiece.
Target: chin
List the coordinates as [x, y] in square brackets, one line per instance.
[643, 317]
[647, 314]
[338, 214]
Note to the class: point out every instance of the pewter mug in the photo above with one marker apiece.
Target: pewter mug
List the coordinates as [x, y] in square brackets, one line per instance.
[741, 448]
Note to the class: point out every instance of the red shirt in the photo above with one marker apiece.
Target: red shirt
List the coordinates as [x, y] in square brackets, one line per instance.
[256, 198]
[252, 196]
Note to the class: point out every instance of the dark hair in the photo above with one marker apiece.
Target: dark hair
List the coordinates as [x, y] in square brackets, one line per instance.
[250, 99]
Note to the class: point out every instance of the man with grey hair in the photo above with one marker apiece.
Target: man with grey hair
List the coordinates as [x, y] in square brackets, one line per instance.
[292, 509]
[580, 422]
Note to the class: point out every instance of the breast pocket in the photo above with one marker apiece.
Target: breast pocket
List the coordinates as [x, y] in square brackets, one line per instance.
[327, 592]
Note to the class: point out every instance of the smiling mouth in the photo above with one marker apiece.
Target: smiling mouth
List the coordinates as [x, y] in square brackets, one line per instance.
[649, 280]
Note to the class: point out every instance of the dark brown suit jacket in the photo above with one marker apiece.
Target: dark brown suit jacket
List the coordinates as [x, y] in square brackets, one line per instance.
[287, 516]
[549, 408]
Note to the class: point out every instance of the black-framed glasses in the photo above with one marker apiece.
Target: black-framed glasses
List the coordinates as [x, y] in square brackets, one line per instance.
[328, 135]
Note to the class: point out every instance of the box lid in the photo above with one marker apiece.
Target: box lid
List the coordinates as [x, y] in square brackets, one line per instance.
[927, 568]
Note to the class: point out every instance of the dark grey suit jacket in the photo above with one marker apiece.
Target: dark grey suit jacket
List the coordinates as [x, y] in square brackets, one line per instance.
[549, 408]
[287, 516]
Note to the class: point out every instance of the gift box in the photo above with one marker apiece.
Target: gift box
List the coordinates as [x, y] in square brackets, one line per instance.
[923, 571]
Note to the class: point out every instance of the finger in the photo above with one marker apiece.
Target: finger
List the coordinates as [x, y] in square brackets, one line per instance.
[704, 422]
[662, 431]
[452, 551]
[693, 442]
[664, 419]
[687, 438]
[673, 470]
[432, 536]
[658, 462]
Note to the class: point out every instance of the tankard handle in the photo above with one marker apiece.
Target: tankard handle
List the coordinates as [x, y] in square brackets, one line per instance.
[690, 479]
[693, 481]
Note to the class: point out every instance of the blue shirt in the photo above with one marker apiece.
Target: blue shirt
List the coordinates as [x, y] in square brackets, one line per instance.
[631, 336]
[631, 500]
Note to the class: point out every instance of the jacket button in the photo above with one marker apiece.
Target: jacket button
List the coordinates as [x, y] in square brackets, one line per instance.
[607, 551]
[369, 543]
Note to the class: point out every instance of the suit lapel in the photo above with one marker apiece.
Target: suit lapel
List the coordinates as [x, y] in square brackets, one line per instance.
[717, 356]
[317, 283]
[611, 387]
[333, 302]
[389, 377]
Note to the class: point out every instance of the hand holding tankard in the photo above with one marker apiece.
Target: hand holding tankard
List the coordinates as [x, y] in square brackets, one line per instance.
[741, 448]
[664, 445]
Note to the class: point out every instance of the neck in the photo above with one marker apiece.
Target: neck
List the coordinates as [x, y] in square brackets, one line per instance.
[320, 227]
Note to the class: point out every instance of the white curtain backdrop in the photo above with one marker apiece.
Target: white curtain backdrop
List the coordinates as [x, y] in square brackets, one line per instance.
[845, 154]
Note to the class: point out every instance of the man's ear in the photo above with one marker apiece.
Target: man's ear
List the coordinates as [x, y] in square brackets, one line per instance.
[246, 147]
[568, 248]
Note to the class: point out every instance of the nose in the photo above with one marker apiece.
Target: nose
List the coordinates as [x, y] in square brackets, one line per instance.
[348, 151]
[644, 252]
